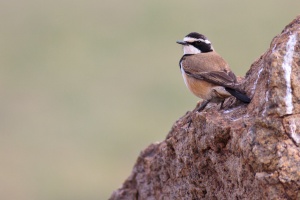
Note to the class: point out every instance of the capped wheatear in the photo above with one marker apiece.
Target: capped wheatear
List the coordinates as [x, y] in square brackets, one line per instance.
[206, 74]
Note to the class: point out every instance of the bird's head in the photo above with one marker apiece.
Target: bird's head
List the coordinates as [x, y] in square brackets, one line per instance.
[195, 43]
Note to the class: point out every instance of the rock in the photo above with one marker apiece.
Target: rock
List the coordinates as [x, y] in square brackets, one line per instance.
[241, 152]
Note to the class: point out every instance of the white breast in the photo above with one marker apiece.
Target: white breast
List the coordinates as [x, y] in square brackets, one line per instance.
[183, 75]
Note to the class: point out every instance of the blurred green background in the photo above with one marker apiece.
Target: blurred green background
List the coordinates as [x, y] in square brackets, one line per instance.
[86, 85]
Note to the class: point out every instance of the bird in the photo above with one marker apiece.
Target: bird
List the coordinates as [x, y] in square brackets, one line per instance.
[206, 74]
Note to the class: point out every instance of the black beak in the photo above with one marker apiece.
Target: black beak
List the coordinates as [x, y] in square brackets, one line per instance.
[182, 42]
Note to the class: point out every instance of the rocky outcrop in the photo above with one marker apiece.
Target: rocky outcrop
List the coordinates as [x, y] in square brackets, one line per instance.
[244, 151]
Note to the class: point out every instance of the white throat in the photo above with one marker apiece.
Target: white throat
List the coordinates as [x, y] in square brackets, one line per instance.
[190, 49]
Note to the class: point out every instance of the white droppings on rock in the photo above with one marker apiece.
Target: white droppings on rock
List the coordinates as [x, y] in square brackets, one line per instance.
[287, 67]
[266, 100]
[255, 83]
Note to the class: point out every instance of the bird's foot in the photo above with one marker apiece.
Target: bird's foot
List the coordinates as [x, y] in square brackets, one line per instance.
[203, 105]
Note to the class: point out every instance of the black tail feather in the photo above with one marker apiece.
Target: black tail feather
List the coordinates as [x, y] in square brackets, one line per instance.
[238, 95]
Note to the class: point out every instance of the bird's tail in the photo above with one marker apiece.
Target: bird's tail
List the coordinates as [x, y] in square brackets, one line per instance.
[238, 95]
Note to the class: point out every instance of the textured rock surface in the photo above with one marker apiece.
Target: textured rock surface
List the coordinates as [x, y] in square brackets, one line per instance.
[241, 152]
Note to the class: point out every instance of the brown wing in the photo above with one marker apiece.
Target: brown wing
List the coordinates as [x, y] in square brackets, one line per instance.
[209, 67]
[216, 77]
[204, 62]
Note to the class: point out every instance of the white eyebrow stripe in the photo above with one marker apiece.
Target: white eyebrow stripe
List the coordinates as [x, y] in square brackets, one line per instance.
[189, 39]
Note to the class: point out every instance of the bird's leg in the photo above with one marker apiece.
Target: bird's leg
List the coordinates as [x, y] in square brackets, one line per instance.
[221, 107]
[203, 105]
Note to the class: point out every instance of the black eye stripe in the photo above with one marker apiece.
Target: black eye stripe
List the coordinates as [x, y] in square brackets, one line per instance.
[196, 42]
[202, 46]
